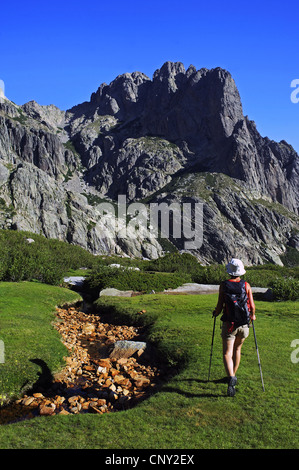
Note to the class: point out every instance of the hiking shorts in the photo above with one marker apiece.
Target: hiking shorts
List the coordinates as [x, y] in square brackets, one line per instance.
[241, 331]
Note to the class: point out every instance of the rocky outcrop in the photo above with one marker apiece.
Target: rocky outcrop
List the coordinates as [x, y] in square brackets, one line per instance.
[43, 189]
[235, 220]
[24, 139]
[198, 114]
[178, 137]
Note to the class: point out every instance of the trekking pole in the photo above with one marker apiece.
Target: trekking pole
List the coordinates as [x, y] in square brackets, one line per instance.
[258, 356]
[212, 347]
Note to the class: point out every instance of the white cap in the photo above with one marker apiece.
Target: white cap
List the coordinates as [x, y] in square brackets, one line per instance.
[235, 267]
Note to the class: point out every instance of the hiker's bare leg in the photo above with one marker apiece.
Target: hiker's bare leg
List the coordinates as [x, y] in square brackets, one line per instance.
[228, 351]
[237, 353]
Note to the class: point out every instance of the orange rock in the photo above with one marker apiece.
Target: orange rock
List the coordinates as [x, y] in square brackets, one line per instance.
[59, 400]
[119, 379]
[88, 328]
[101, 402]
[142, 382]
[126, 383]
[122, 361]
[107, 383]
[114, 372]
[104, 363]
[27, 401]
[45, 410]
[94, 409]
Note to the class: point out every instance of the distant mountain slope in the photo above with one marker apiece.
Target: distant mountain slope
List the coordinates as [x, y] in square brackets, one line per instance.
[180, 137]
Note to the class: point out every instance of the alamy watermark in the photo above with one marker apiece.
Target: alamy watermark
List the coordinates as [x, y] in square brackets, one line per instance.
[154, 221]
[295, 92]
[295, 353]
[2, 91]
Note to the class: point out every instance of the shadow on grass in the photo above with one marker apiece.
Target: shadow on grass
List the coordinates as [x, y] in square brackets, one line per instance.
[45, 377]
[14, 411]
[205, 394]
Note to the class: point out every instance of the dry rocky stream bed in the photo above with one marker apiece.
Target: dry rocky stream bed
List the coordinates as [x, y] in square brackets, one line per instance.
[108, 368]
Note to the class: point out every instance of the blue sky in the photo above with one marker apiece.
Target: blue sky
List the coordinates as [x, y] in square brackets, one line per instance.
[60, 52]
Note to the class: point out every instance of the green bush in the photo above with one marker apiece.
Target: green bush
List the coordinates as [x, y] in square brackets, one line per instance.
[291, 257]
[213, 274]
[48, 260]
[45, 260]
[266, 275]
[125, 279]
[285, 289]
[174, 262]
[262, 278]
[259, 276]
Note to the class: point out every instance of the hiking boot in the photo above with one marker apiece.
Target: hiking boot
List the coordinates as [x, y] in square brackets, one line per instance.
[231, 387]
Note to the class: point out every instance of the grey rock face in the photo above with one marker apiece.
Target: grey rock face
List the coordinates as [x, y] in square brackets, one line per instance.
[24, 139]
[42, 205]
[180, 136]
[50, 116]
[199, 113]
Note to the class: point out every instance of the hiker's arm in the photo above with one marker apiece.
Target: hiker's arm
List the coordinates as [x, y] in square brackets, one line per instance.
[251, 302]
[220, 303]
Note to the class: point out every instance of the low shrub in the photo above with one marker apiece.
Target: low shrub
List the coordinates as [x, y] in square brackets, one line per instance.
[48, 260]
[266, 275]
[290, 257]
[174, 262]
[213, 274]
[44, 260]
[125, 279]
[262, 278]
[285, 289]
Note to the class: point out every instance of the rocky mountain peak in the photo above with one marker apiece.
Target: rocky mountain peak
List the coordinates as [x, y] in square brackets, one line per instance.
[179, 136]
[50, 115]
[121, 96]
[171, 73]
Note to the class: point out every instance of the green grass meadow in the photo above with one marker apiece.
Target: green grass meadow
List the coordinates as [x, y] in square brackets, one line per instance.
[27, 311]
[188, 412]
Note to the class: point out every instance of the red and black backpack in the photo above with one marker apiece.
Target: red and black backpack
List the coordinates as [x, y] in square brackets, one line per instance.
[236, 309]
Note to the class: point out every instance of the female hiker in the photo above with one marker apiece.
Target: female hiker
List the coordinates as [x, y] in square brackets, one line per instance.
[236, 301]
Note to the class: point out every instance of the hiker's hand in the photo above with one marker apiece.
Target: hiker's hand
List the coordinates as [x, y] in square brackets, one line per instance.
[252, 317]
[215, 314]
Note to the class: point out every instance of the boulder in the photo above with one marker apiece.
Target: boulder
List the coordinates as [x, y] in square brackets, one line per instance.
[116, 293]
[74, 280]
[194, 288]
[125, 349]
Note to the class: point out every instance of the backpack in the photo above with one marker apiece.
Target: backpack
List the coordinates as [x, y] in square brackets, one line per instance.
[236, 307]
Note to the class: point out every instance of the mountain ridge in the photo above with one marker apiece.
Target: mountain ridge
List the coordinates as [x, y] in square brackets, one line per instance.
[138, 136]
